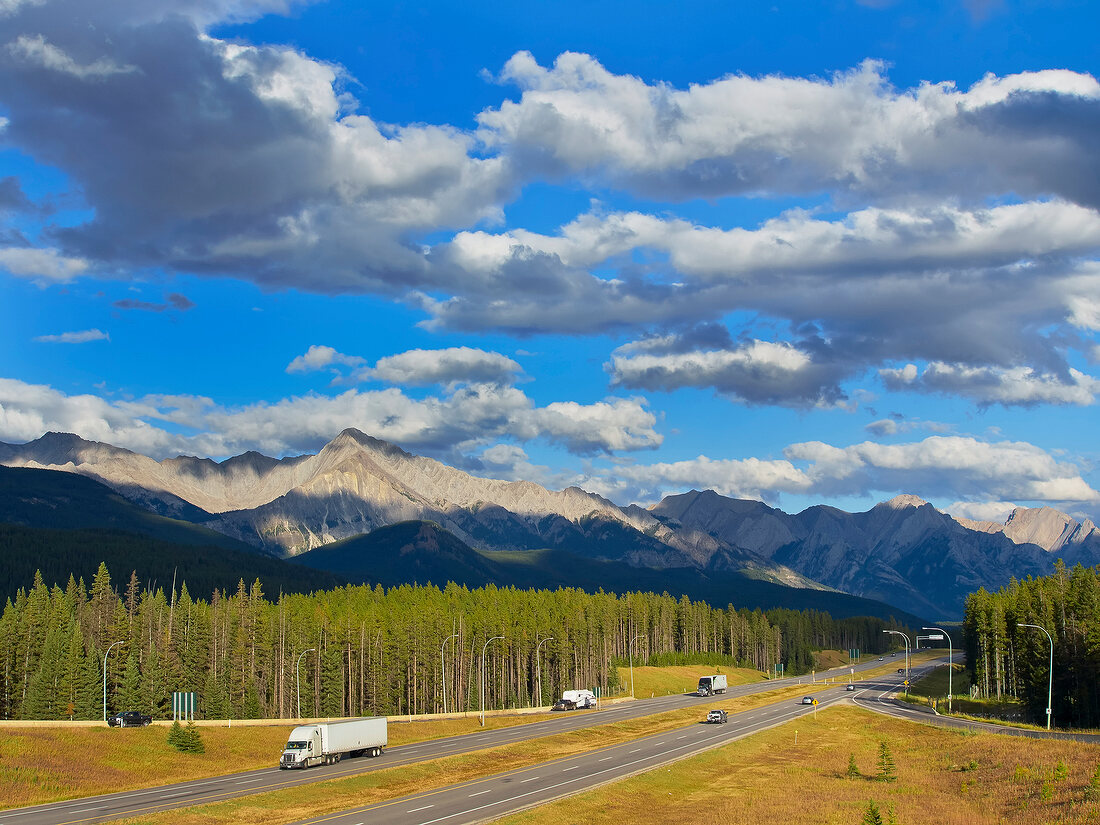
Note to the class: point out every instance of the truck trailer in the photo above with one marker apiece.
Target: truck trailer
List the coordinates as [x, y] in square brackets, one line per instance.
[712, 684]
[580, 698]
[326, 743]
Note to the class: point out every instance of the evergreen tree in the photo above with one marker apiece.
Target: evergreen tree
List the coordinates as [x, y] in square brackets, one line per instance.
[887, 770]
[128, 693]
[872, 816]
[853, 768]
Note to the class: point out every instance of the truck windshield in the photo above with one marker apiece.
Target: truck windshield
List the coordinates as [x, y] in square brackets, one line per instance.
[296, 746]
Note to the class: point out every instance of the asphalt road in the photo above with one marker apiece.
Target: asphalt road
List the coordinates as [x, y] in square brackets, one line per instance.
[110, 807]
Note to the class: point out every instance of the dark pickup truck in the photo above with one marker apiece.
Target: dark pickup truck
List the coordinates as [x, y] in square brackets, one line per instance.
[130, 719]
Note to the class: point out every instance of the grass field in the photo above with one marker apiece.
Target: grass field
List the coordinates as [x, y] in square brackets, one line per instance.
[798, 773]
[661, 681]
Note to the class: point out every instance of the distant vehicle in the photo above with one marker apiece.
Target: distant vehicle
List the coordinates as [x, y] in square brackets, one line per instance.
[564, 704]
[893, 655]
[851, 686]
[712, 684]
[717, 716]
[880, 658]
[807, 700]
[901, 670]
[580, 698]
[328, 742]
[130, 719]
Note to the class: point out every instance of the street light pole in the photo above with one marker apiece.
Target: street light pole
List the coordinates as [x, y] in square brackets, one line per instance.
[494, 638]
[632, 641]
[950, 667]
[538, 669]
[899, 633]
[297, 680]
[105, 655]
[443, 663]
[1050, 681]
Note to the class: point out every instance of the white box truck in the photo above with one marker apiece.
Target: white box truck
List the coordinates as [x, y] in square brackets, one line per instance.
[712, 684]
[326, 743]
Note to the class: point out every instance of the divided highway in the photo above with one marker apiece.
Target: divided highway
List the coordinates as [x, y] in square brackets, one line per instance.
[150, 800]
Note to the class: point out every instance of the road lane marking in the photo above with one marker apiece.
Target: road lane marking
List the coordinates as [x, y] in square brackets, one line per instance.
[414, 810]
[572, 768]
[528, 779]
[605, 758]
[634, 751]
[479, 793]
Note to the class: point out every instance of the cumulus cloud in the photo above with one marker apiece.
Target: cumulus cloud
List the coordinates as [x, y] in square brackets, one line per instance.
[36, 50]
[758, 372]
[421, 367]
[319, 357]
[466, 419]
[777, 135]
[958, 467]
[43, 265]
[1012, 386]
[418, 367]
[82, 337]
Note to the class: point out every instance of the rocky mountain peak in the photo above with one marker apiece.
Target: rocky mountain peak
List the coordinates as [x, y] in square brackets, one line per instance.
[902, 502]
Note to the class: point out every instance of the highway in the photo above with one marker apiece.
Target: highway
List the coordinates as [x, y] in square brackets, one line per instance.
[121, 805]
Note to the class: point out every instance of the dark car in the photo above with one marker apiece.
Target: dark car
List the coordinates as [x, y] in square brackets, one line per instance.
[130, 719]
[901, 670]
[850, 686]
[565, 704]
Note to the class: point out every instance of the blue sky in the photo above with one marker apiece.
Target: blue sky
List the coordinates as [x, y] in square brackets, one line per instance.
[807, 253]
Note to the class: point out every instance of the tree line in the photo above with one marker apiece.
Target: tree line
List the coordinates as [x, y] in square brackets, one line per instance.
[358, 650]
[1007, 657]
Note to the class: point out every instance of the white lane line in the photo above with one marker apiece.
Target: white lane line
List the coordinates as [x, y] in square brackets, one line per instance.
[634, 751]
[529, 779]
[682, 737]
[414, 810]
[605, 758]
[479, 793]
[572, 768]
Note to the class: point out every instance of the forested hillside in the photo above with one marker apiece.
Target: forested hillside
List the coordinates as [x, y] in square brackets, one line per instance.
[1007, 659]
[364, 650]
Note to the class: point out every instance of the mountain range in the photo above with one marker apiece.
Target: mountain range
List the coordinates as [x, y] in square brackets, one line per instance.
[903, 552]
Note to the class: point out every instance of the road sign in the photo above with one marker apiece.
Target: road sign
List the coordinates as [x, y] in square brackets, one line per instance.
[907, 683]
[815, 701]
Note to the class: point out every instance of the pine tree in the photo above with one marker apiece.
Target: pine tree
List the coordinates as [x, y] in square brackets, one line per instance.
[192, 741]
[853, 768]
[872, 816]
[1092, 790]
[887, 770]
[176, 735]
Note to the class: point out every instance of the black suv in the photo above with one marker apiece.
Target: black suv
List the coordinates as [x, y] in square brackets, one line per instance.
[130, 719]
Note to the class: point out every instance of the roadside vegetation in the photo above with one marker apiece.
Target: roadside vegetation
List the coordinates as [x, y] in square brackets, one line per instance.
[844, 762]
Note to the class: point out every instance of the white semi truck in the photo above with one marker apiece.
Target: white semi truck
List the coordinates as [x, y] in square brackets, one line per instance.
[325, 743]
[712, 684]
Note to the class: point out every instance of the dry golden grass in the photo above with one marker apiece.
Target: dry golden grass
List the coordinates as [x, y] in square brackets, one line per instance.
[47, 764]
[944, 777]
[661, 681]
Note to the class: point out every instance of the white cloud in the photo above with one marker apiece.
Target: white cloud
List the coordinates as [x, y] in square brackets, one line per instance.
[756, 371]
[319, 356]
[46, 265]
[994, 511]
[421, 367]
[773, 135]
[462, 420]
[1013, 386]
[934, 468]
[81, 337]
[36, 50]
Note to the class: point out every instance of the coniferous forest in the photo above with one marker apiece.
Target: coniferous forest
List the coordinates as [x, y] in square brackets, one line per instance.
[1008, 659]
[359, 650]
